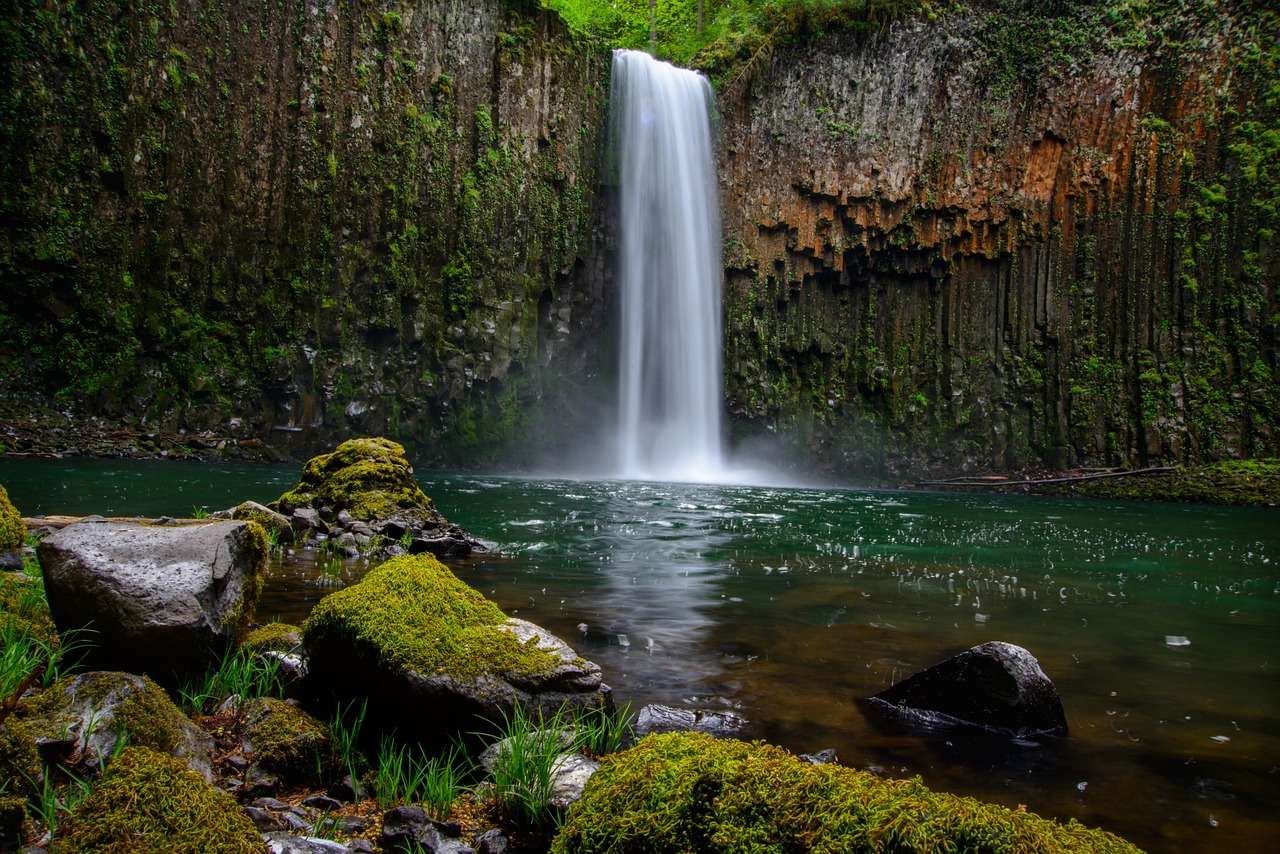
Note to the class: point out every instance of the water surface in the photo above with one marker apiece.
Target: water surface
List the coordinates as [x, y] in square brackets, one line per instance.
[787, 605]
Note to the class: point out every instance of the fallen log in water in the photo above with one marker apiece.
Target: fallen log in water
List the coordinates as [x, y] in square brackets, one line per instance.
[989, 481]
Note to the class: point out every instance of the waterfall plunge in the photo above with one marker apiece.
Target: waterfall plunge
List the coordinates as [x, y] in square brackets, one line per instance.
[669, 272]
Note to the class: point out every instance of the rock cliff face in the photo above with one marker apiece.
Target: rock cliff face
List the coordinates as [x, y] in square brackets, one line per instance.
[1008, 239]
[316, 218]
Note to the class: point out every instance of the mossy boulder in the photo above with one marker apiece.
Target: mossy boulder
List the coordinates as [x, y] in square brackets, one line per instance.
[692, 792]
[149, 802]
[431, 651]
[273, 522]
[1234, 482]
[273, 637]
[23, 607]
[19, 757]
[165, 600]
[79, 720]
[366, 488]
[282, 739]
[13, 533]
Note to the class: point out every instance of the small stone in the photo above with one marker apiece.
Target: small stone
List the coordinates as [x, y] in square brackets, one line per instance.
[324, 803]
[492, 842]
[263, 820]
[362, 846]
[822, 757]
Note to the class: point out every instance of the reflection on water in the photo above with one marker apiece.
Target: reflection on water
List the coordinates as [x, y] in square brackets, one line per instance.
[790, 604]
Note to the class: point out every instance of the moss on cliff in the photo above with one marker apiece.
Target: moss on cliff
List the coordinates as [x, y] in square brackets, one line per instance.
[1238, 482]
[150, 803]
[413, 613]
[692, 792]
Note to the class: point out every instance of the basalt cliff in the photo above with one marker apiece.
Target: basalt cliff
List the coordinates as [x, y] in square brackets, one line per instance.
[993, 235]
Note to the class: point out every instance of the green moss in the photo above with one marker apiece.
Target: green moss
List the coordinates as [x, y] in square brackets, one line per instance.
[149, 802]
[251, 511]
[280, 637]
[284, 738]
[147, 714]
[692, 792]
[1237, 482]
[22, 600]
[256, 548]
[415, 614]
[369, 478]
[19, 759]
[13, 533]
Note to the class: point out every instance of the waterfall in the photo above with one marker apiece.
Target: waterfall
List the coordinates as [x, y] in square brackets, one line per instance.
[669, 271]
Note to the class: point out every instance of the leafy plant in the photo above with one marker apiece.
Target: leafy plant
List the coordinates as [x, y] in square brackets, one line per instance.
[52, 801]
[601, 731]
[403, 777]
[344, 735]
[199, 512]
[240, 673]
[522, 770]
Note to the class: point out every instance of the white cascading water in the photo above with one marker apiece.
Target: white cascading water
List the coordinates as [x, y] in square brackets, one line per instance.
[669, 271]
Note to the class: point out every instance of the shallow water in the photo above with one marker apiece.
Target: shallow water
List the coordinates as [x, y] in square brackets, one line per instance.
[787, 605]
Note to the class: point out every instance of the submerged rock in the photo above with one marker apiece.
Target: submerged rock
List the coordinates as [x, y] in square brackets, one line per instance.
[658, 718]
[162, 600]
[435, 656]
[995, 685]
[366, 487]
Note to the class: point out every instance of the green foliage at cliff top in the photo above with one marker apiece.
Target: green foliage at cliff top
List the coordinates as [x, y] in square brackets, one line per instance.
[149, 802]
[732, 32]
[370, 478]
[692, 792]
[416, 614]
[12, 532]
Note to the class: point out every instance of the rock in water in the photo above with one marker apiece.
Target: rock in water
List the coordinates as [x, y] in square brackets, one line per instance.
[995, 685]
[434, 656]
[659, 718]
[162, 600]
[366, 486]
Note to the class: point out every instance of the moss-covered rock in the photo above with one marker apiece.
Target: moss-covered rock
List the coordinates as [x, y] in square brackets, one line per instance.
[282, 738]
[87, 714]
[273, 637]
[272, 521]
[691, 792]
[149, 802]
[414, 636]
[369, 478]
[19, 759]
[1236, 482]
[13, 533]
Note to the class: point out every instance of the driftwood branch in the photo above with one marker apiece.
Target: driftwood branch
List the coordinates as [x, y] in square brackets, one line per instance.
[990, 481]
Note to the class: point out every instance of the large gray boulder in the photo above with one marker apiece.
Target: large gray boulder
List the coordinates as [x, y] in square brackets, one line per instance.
[433, 656]
[161, 599]
[995, 685]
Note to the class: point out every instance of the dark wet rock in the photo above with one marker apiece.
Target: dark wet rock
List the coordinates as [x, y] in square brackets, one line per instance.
[410, 829]
[367, 485]
[292, 668]
[324, 803]
[263, 820]
[995, 685]
[77, 723]
[382, 639]
[13, 814]
[306, 521]
[822, 757]
[348, 790]
[269, 804]
[361, 846]
[296, 823]
[658, 718]
[160, 600]
[492, 842]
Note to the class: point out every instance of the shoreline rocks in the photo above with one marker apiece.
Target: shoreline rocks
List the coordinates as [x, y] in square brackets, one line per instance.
[363, 497]
[656, 718]
[996, 685]
[164, 600]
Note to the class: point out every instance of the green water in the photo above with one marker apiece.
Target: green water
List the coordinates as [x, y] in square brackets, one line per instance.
[787, 605]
